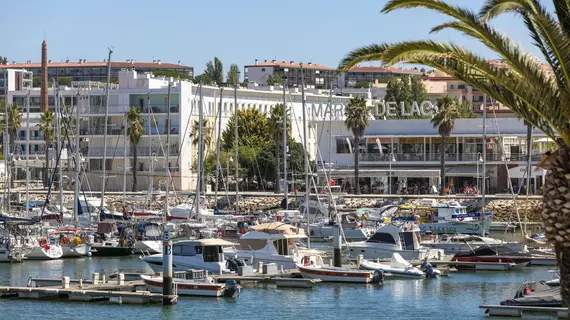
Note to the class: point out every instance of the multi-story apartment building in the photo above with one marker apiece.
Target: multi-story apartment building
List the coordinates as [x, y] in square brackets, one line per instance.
[84, 70]
[358, 74]
[14, 80]
[316, 76]
[150, 96]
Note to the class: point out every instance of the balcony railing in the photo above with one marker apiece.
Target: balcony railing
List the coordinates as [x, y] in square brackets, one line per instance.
[464, 157]
[119, 132]
[120, 152]
[100, 110]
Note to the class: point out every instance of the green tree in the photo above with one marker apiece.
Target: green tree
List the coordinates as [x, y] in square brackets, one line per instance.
[204, 78]
[37, 81]
[274, 79]
[233, 75]
[362, 84]
[276, 132]
[63, 81]
[215, 71]
[538, 97]
[46, 127]
[398, 90]
[444, 121]
[418, 90]
[3, 60]
[208, 134]
[253, 129]
[171, 74]
[135, 130]
[357, 115]
[465, 109]
[14, 123]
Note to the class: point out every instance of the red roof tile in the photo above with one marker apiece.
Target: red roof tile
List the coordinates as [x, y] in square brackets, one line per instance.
[288, 65]
[385, 70]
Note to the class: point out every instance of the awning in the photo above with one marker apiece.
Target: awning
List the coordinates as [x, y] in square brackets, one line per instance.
[519, 172]
[464, 171]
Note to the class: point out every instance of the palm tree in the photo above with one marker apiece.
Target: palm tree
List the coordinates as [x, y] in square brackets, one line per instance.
[135, 131]
[15, 120]
[46, 128]
[538, 93]
[207, 133]
[444, 120]
[357, 115]
[276, 131]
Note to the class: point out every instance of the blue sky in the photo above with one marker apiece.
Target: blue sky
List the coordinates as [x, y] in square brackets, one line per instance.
[194, 32]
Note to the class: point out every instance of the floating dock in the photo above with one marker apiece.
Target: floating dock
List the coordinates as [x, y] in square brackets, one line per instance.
[117, 291]
[517, 311]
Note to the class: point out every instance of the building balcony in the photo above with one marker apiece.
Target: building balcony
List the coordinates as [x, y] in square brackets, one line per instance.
[161, 130]
[119, 152]
[154, 109]
[436, 157]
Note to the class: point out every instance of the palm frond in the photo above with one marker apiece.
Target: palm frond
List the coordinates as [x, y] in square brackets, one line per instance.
[562, 8]
[367, 53]
[494, 8]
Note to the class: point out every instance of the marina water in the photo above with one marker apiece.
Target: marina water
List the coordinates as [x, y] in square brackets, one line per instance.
[455, 297]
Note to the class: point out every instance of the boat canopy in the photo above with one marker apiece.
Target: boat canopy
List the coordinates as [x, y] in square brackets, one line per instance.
[208, 242]
[279, 228]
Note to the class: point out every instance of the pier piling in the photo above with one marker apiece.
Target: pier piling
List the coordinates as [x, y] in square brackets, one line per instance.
[167, 269]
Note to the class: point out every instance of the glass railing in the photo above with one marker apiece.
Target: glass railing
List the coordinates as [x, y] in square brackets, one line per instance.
[119, 132]
[114, 109]
[463, 157]
[120, 152]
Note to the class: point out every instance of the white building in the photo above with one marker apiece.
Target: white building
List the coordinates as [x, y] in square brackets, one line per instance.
[150, 96]
[14, 80]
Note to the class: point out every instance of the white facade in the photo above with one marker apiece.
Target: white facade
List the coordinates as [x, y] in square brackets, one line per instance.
[142, 91]
[14, 79]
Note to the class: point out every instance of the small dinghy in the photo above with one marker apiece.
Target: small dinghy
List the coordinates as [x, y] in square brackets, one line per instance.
[398, 267]
[206, 287]
[313, 268]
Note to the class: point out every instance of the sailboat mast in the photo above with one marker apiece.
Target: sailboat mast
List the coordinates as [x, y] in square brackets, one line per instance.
[150, 159]
[307, 186]
[27, 153]
[7, 145]
[236, 147]
[125, 123]
[199, 163]
[77, 163]
[218, 144]
[330, 145]
[285, 184]
[167, 151]
[103, 165]
[484, 152]
[58, 119]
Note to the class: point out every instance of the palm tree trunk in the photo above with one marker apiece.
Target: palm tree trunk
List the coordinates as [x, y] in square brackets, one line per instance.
[46, 171]
[276, 185]
[442, 165]
[356, 165]
[555, 214]
[135, 161]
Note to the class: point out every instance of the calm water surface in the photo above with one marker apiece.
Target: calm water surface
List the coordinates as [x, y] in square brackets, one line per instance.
[453, 297]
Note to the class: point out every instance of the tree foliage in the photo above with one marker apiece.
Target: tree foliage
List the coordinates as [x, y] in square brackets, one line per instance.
[3, 60]
[405, 90]
[37, 81]
[135, 130]
[233, 75]
[274, 79]
[171, 74]
[46, 127]
[215, 71]
[465, 110]
[253, 129]
[357, 116]
[63, 81]
[362, 84]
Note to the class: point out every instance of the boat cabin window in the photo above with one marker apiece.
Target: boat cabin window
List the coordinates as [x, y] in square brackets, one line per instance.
[188, 251]
[282, 246]
[409, 240]
[177, 250]
[212, 253]
[382, 237]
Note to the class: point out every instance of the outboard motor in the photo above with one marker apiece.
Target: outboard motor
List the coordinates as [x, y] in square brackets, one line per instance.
[231, 288]
[428, 269]
[232, 264]
[378, 277]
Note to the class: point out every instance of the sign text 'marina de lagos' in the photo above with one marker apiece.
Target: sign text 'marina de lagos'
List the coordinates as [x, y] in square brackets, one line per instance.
[381, 109]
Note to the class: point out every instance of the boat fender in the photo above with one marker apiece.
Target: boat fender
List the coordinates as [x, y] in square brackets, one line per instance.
[43, 241]
[242, 230]
[64, 240]
[461, 219]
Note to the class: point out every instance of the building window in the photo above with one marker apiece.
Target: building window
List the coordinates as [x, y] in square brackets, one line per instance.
[451, 86]
[342, 146]
[262, 69]
[461, 86]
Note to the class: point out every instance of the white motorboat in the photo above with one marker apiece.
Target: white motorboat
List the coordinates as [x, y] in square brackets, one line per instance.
[352, 227]
[203, 254]
[398, 267]
[186, 211]
[464, 243]
[312, 268]
[454, 219]
[502, 226]
[72, 251]
[148, 238]
[202, 287]
[271, 243]
[390, 239]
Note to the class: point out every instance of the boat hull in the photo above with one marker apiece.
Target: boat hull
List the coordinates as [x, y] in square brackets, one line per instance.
[336, 275]
[187, 288]
[104, 251]
[41, 253]
[457, 227]
[413, 273]
[373, 253]
[148, 246]
[72, 251]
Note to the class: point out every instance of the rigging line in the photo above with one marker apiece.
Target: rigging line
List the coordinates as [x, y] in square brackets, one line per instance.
[508, 180]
